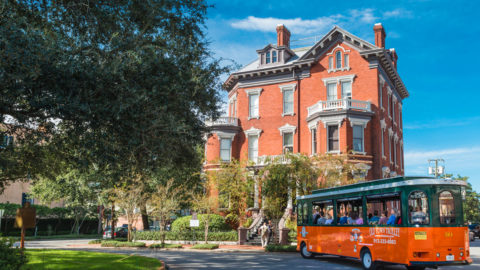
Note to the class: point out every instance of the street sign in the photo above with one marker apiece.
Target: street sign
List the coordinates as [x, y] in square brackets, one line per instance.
[194, 223]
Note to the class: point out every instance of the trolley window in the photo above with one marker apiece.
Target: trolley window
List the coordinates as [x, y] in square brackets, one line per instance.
[447, 207]
[305, 214]
[418, 208]
[323, 212]
[384, 209]
[299, 213]
[350, 211]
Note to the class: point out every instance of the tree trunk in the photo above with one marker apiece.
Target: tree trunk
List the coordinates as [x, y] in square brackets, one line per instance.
[143, 210]
[100, 219]
[112, 229]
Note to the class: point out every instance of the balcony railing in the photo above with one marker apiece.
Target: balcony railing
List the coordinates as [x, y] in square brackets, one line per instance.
[223, 121]
[339, 104]
[264, 160]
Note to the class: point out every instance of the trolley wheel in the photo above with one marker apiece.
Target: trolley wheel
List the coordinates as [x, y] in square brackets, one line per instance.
[304, 252]
[416, 267]
[367, 261]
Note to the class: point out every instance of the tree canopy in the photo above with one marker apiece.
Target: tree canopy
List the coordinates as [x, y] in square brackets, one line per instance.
[126, 84]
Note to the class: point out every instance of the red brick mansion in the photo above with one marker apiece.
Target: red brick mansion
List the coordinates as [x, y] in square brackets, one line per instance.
[341, 95]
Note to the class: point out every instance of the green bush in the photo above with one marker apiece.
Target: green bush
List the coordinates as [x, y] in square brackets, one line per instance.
[96, 241]
[112, 243]
[205, 246]
[248, 222]
[187, 236]
[216, 223]
[10, 257]
[292, 236]
[165, 246]
[280, 248]
[232, 220]
[291, 224]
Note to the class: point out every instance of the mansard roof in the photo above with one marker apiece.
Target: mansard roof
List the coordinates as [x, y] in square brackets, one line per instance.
[307, 56]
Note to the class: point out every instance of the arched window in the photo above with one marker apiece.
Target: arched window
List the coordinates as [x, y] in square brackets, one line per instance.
[274, 56]
[418, 208]
[267, 58]
[447, 207]
[338, 59]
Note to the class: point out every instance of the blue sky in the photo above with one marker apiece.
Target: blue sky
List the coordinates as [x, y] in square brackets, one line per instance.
[437, 43]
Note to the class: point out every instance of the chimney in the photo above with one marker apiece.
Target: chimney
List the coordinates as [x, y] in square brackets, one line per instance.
[283, 36]
[394, 57]
[379, 35]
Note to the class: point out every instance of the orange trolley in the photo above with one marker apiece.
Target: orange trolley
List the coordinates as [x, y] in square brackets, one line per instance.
[416, 222]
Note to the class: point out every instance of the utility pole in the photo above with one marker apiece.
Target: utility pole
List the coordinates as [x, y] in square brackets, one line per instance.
[437, 170]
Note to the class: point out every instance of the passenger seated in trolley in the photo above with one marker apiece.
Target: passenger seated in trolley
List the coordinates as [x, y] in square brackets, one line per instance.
[329, 219]
[373, 219]
[391, 220]
[383, 219]
[322, 218]
[315, 214]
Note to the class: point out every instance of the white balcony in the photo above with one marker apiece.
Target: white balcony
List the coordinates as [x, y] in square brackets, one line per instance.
[339, 104]
[223, 121]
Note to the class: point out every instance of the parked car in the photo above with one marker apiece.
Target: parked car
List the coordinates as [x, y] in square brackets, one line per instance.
[120, 232]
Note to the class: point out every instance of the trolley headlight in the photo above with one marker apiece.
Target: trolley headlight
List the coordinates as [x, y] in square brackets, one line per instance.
[438, 254]
[461, 254]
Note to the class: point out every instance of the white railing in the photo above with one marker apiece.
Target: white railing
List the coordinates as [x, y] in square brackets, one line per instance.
[339, 104]
[264, 160]
[223, 121]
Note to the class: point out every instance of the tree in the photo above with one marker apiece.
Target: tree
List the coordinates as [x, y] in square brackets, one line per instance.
[232, 182]
[129, 196]
[72, 188]
[471, 203]
[337, 170]
[284, 176]
[203, 202]
[126, 83]
[164, 202]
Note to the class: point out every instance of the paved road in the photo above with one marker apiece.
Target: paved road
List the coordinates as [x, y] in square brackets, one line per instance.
[227, 260]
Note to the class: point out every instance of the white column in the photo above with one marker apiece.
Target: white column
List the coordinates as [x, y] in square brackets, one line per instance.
[256, 193]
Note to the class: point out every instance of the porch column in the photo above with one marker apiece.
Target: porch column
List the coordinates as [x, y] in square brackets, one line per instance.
[256, 192]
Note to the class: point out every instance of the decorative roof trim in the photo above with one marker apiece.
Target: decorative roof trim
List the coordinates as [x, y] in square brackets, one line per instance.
[338, 46]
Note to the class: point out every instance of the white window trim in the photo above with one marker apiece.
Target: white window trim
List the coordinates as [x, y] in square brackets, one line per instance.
[382, 83]
[253, 91]
[287, 128]
[338, 125]
[312, 139]
[253, 132]
[383, 126]
[228, 136]
[248, 146]
[338, 79]
[286, 87]
[363, 123]
[342, 68]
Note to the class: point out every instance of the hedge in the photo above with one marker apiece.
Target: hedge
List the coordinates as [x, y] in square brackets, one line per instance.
[111, 243]
[280, 248]
[165, 246]
[216, 223]
[205, 246]
[187, 235]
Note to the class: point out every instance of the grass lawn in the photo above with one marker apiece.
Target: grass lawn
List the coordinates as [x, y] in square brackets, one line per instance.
[69, 259]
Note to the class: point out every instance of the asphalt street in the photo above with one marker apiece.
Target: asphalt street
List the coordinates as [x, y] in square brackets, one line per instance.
[246, 260]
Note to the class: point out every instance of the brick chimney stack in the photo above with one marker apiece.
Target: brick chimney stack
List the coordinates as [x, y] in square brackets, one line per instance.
[379, 35]
[394, 57]
[283, 36]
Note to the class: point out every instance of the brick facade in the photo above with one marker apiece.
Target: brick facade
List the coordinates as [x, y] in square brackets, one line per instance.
[373, 107]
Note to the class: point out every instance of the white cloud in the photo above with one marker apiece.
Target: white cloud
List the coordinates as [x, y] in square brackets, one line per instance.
[397, 13]
[301, 27]
[296, 25]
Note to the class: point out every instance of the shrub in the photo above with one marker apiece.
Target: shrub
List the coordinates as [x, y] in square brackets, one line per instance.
[96, 241]
[112, 243]
[292, 236]
[165, 246]
[187, 235]
[10, 257]
[291, 224]
[205, 246]
[232, 220]
[280, 248]
[216, 223]
[248, 222]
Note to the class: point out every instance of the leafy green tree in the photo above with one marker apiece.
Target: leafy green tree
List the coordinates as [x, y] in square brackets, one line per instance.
[471, 204]
[126, 84]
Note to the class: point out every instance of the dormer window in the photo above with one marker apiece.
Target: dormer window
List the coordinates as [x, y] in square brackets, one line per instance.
[274, 56]
[267, 58]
